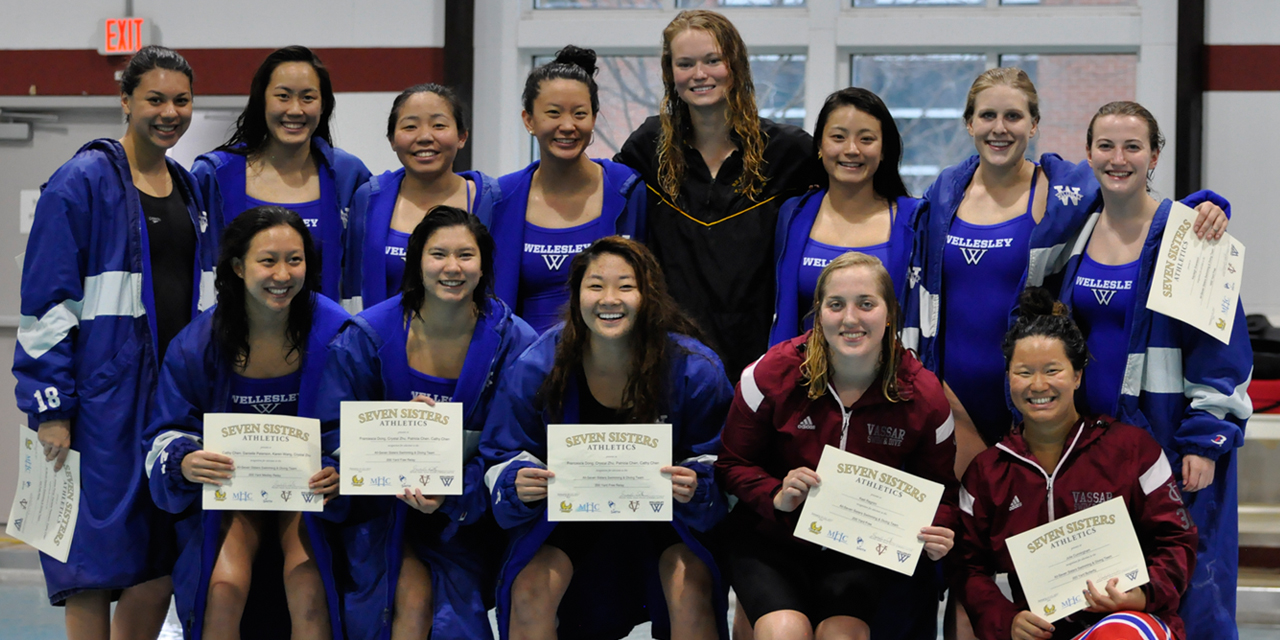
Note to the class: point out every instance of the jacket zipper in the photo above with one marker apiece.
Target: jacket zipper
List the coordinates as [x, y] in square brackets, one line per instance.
[1049, 478]
[845, 414]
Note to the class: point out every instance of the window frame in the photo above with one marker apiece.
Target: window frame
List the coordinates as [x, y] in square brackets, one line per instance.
[829, 32]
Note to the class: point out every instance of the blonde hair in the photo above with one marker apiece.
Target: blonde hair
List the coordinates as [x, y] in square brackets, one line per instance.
[743, 116]
[1009, 77]
[816, 368]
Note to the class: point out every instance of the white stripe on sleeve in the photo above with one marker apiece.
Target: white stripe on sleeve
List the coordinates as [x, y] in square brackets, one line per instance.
[1156, 476]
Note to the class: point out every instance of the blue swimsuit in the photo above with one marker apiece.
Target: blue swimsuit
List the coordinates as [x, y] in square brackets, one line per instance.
[1102, 303]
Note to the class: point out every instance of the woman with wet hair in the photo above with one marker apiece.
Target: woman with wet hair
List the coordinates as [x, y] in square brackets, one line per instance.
[260, 350]
[423, 565]
[427, 128]
[1059, 461]
[717, 174]
[564, 201]
[624, 353]
[113, 271]
[837, 384]
[281, 153]
[1188, 388]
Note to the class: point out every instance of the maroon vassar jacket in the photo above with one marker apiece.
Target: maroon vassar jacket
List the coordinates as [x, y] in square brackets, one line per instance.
[773, 427]
[1006, 492]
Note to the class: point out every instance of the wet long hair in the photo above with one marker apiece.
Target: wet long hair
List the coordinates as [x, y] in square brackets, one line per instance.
[1040, 314]
[251, 134]
[649, 381]
[230, 317]
[743, 116]
[413, 288]
[887, 182]
[816, 368]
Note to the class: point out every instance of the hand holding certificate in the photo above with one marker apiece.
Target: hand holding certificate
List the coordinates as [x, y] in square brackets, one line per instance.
[609, 472]
[391, 447]
[1055, 561]
[47, 503]
[275, 458]
[1195, 280]
[868, 510]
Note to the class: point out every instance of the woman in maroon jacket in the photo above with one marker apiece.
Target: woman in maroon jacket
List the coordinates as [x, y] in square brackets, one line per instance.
[847, 383]
[1059, 462]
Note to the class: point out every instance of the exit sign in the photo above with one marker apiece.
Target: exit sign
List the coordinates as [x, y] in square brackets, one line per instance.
[123, 36]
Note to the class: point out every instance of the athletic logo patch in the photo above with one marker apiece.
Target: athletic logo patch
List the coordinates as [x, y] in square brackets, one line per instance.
[554, 262]
[1015, 504]
[1219, 440]
[1103, 297]
[806, 424]
[1086, 499]
[972, 256]
[1067, 194]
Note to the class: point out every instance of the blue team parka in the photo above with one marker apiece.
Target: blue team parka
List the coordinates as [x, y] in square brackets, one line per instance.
[86, 352]
[367, 362]
[364, 278]
[1073, 193]
[516, 437]
[795, 222]
[221, 175]
[1191, 392]
[195, 380]
[624, 207]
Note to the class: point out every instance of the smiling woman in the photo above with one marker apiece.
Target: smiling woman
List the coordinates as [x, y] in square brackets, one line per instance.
[113, 270]
[281, 153]
[561, 203]
[625, 353]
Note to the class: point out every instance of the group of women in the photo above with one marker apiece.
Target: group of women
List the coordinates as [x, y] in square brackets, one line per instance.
[637, 290]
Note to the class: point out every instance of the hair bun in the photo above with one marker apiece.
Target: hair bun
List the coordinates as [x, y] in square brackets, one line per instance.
[578, 57]
[1037, 301]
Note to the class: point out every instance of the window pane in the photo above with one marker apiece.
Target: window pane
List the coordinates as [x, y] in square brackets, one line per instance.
[903, 3]
[1050, 3]
[631, 89]
[1071, 89]
[597, 4]
[708, 4]
[925, 94]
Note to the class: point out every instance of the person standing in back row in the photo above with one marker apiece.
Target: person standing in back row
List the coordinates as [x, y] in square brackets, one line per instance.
[717, 174]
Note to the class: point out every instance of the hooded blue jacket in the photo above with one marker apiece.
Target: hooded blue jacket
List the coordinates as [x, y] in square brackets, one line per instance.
[367, 362]
[195, 380]
[86, 352]
[795, 222]
[221, 175]
[515, 438]
[1191, 392]
[364, 278]
[624, 206]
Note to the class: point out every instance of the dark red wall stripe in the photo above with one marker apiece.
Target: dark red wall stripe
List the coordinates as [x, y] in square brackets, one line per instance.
[1242, 67]
[75, 72]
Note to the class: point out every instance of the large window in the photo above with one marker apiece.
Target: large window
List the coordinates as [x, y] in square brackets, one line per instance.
[631, 90]
[926, 95]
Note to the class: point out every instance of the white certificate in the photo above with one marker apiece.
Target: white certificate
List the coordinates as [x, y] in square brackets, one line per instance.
[868, 510]
[47, 504]
[1054, 560]
[609, 472]
[1197, 281]
[388, 447]
[274, 457]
